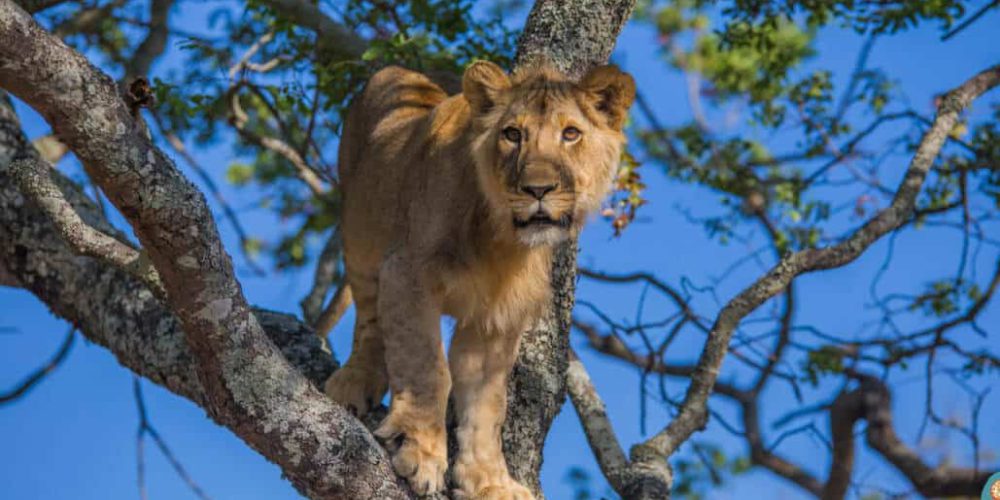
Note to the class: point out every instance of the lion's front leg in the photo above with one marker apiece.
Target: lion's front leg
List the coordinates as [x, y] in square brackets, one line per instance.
[480, 366]
[414, 430]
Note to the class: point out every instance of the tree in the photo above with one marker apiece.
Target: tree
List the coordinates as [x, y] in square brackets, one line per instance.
[169, 306]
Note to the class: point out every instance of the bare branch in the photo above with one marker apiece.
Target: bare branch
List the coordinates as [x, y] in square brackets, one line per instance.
[238, 119]
[38, 375]
[146, 428]
[323, 278]
[677, 297]
[35, 6]
[969, 20]
[693, 414]
[153, 45]
[613, 346]
[244, 61]
[325, 319]
[335, 41]
[594, 419]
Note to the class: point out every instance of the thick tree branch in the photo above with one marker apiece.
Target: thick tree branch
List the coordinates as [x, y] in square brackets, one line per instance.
[110, 307]
[250, 387]
[35, 180]
[227, 210]
[228, 347]
[34, 6]
[573, 36]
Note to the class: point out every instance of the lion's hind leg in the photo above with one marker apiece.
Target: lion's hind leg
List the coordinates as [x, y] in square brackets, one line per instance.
[362, 382]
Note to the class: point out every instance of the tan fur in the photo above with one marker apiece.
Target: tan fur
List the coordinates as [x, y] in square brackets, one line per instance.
[437, 219]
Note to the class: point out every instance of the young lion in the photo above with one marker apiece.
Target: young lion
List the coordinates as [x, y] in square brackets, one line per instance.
[452, 206]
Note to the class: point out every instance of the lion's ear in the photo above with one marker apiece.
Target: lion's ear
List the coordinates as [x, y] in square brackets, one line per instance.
[482, 83]
[615, 91]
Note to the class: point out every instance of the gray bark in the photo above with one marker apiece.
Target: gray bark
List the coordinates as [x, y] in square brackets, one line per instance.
[246, 383]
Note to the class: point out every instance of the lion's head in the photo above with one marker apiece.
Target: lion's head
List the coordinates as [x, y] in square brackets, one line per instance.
[546, 147]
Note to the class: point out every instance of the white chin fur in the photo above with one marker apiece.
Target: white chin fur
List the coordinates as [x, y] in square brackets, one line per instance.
[541, 235]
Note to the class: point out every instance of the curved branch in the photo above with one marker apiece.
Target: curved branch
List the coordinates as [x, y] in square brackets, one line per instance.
[872, 402]
[594, 419]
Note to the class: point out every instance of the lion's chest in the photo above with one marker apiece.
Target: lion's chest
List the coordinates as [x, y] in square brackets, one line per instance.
[498, 299]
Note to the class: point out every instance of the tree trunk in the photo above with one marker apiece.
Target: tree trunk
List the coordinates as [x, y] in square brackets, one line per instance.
[574, 37]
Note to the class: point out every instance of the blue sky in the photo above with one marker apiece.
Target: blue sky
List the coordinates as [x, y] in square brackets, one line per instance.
[74, 435]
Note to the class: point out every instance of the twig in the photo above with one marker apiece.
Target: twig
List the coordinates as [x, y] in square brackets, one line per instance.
[238, 119]
[859, 67]
[32, 380]
[244, 61]
[146, 429]
[968, 21]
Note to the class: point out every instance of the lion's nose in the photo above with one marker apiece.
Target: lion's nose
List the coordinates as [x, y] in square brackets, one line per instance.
[539, 191]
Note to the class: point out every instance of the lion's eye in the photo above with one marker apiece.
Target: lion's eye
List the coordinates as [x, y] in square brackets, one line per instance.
[512, 134]
[571, 134]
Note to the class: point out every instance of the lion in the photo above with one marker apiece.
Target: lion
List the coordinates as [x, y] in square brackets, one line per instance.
[452, 206]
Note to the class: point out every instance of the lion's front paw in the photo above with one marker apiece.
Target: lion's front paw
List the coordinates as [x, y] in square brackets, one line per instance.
[357, 390]
[419, 455]
[488, 482]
